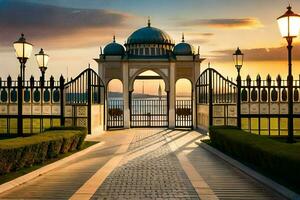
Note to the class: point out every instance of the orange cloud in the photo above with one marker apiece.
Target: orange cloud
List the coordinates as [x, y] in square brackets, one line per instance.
[238, 23]
[260, 54]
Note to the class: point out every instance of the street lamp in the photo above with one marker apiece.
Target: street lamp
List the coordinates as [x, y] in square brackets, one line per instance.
[23, 52]
[42, 60]
[238, 58]
[289, 26]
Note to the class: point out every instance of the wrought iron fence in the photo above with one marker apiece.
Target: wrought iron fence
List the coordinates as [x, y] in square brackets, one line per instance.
[216, 100]
[184, 114]
[149, 113]
[30, 106]
[115, 113]
[264, 106]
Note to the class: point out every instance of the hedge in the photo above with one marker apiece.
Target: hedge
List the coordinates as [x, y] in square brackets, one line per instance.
[276, 159]
[20, 152]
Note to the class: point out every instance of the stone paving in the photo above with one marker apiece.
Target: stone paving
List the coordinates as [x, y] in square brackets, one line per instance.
[144, 164]
[154, 175]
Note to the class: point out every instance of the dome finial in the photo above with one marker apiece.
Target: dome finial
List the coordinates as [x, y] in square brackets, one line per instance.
[114, 39]
[182, 37]
[149, 21]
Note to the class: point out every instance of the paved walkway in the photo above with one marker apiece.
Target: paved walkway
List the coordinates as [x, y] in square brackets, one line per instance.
[144, 164]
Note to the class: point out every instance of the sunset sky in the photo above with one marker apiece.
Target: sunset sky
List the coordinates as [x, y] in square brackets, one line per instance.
[71, 31]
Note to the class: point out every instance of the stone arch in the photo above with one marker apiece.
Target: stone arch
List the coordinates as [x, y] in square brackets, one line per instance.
[114, 79]
[109, 80]
[190, 82]
[156, 70]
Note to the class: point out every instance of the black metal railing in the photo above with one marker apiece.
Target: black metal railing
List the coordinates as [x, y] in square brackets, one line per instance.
[264, 105]
[216, 99]
[149, 113]
[184, 114]
[81, 93]
[115, 113]
[31, 106]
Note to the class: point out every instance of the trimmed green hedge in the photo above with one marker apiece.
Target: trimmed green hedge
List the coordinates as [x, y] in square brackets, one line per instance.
[276, 159]
[17, 153]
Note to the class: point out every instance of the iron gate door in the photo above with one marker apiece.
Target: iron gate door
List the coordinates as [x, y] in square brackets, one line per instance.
[149, 113]
[184, 114]
[115, 115]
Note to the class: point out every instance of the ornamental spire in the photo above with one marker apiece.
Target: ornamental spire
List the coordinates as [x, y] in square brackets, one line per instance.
[114, 39]
[149, 21]
[182, 38]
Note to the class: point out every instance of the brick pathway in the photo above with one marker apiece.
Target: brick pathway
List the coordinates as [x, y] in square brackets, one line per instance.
[154, 175]
[144, 164]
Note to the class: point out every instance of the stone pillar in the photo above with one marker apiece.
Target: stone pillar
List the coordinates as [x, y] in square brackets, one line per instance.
[194, 105]
[172, 96]
[103, 97]
[195, 109]
[126, 95]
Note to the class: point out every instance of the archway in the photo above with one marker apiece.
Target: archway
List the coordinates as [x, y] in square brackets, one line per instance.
[148, 101]
[115, 104]
[184, 103]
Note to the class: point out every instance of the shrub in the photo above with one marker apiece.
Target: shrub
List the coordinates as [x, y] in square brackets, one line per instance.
[17, 153]
[277, 159]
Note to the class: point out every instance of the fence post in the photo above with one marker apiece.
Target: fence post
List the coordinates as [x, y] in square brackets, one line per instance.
[89, 101]
[20, 105]
[238, 103]
[210, 103]
[42, 84]
[62, 100]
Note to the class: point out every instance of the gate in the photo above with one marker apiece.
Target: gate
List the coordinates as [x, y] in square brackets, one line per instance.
[216, 100]
[149, 113]
[115, 115]
[84, 103]
[184, 114]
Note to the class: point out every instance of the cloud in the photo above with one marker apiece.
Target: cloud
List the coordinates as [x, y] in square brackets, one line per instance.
[198, 37]
[58, 26]
[260, 54]
[241, 23]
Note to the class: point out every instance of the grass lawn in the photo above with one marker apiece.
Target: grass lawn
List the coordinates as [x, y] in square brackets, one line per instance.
[12, 175]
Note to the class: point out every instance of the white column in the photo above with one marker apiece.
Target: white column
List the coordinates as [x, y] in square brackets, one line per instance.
[126, 95]
[172, 95]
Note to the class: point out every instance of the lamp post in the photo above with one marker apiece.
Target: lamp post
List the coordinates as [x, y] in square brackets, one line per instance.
[289, 26]
[42, 60]
[238, 58]
[23, 52]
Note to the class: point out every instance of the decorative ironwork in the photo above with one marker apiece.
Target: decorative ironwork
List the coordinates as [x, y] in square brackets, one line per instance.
[81, 93]
[265, 111]
[184, 114]
[149, 113]
[218, 94]
[23, 107]
[115, 114]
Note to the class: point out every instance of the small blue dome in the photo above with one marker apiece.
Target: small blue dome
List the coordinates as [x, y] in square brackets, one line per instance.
[183, 48]
[149, 35]
[114, 49]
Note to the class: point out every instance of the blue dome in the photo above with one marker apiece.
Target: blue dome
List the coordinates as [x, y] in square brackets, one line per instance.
[114, 49]
[149, 35]
[183, 49]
